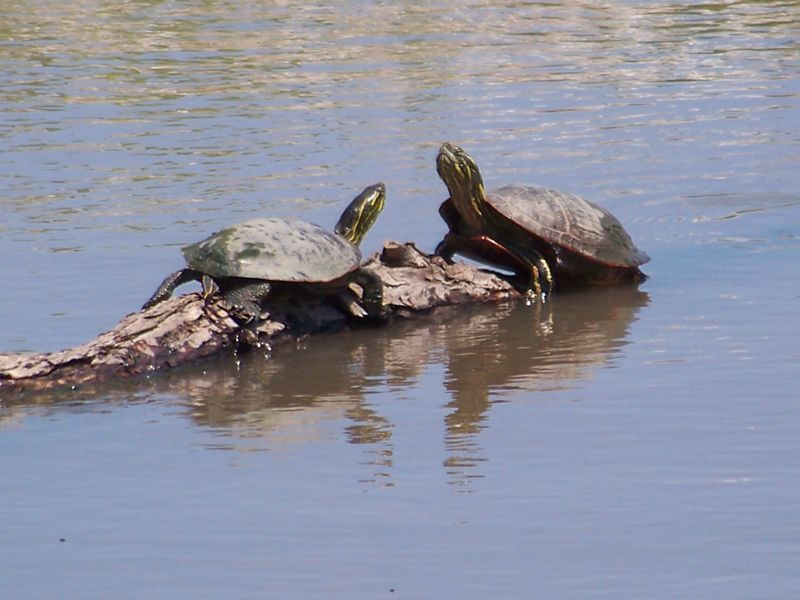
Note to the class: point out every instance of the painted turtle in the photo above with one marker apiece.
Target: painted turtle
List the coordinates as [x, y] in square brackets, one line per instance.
[246, 261]
[545, 237]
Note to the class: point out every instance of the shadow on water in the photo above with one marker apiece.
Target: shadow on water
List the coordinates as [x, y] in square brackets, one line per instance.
[257, 402]
[132, 127]
[521, 351]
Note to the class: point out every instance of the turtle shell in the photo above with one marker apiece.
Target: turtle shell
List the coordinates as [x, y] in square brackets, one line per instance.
[568, 222]
[289, 250]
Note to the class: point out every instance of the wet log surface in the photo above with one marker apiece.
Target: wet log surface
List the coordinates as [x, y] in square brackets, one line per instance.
[189, 327]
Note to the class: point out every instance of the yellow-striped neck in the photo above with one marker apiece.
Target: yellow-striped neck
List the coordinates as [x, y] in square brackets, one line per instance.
[361, 214]
[461, 175]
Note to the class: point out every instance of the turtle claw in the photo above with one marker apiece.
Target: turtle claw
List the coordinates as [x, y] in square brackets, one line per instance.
[210, 286]
[354, 308]
[249, 313]
[245, 301]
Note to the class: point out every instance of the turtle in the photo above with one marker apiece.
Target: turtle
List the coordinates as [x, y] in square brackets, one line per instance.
[544, 237]
[247, 261]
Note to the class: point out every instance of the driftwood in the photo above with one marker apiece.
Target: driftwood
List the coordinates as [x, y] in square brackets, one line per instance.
[190, 327]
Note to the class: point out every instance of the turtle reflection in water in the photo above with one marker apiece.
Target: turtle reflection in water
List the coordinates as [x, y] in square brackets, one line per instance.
[246, 261]
[545, 237]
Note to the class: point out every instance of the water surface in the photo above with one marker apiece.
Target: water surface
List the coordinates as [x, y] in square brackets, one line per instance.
[611, 443]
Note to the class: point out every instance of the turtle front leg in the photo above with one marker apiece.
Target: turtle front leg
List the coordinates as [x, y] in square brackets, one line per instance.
[169, 284]
[446, 248]
[371, 296]
[246, 299]
[531, 272]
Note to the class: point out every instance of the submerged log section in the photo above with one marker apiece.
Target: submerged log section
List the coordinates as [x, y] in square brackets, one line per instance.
[187, 327]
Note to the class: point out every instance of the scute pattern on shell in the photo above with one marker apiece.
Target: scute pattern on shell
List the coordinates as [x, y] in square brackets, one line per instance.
[290, 250]
[568, 221]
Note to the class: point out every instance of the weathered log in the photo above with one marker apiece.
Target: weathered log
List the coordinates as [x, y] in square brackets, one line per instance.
[190, 327]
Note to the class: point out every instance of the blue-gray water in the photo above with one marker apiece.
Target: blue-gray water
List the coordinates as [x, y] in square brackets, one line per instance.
[615, 443]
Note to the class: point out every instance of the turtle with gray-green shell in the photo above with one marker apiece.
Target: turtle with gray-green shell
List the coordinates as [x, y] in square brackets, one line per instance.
[248, 261]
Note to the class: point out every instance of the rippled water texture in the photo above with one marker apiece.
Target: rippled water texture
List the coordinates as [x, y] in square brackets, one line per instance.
[611, 443]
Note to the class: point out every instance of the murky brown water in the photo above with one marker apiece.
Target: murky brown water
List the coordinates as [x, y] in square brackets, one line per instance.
[613, 443]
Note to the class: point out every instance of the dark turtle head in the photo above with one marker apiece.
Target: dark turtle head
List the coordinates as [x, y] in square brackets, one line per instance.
[461, 175]
[361, 213]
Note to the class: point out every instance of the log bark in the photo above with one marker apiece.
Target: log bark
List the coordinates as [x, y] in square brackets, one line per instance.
[189, 327]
